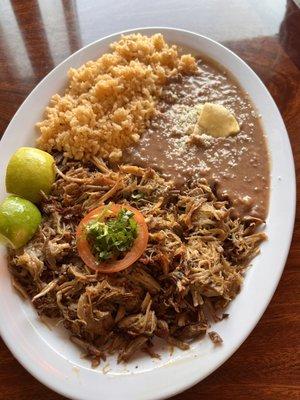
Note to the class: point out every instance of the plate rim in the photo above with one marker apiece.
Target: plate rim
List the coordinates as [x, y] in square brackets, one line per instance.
[65, 391]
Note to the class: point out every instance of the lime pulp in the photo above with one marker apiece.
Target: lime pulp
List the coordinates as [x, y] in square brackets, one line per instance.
[19, 220]
[29, 172]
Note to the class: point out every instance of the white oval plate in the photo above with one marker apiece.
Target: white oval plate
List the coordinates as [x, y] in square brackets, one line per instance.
[50, 357]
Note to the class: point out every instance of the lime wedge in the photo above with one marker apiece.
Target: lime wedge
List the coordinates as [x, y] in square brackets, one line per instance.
[29, 172]
[19, 220]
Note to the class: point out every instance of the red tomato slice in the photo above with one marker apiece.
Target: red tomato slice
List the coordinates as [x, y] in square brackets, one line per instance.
[139, 245]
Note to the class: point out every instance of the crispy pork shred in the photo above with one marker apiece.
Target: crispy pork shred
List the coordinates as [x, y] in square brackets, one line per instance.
[191, 270]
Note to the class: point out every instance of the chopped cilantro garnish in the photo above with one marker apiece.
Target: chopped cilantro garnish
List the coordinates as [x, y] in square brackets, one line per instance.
[110, 238]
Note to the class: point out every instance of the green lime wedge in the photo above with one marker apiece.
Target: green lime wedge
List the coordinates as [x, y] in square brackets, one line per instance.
[29, 172]
[19, 220]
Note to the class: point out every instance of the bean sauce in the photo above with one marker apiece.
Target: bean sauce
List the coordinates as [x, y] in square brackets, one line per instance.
[237, 166]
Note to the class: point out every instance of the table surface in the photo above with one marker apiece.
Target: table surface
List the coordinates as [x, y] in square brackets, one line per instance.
[36, 35]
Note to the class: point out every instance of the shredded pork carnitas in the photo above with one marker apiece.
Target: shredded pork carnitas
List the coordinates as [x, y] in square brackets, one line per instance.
[192, 268]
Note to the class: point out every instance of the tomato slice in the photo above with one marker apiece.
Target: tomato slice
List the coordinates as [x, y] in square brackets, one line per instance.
[137, 249]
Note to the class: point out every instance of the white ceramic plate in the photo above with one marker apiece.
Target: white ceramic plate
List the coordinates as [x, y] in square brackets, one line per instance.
[56, 362]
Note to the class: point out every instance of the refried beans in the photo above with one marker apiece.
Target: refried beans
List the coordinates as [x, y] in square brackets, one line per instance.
[237, 166]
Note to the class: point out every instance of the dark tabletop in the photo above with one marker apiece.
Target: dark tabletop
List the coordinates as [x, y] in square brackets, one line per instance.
[37, 35]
